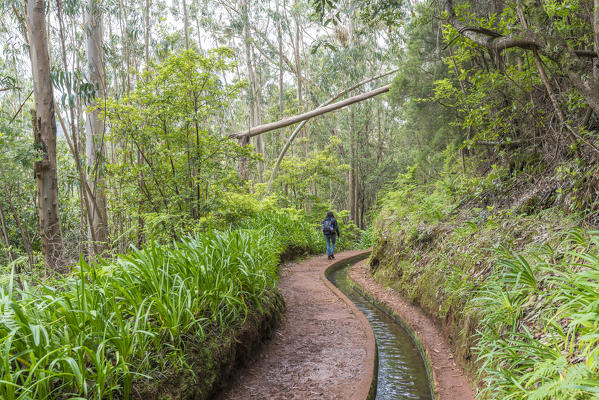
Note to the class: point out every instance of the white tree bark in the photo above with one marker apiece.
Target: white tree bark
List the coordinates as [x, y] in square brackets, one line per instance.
[94, 129]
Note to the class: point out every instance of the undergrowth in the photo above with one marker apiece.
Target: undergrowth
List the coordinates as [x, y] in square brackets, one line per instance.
[96, 332]
[515, 288]
[538, 319]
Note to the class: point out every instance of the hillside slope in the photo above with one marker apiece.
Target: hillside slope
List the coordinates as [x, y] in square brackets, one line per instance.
[513, 284]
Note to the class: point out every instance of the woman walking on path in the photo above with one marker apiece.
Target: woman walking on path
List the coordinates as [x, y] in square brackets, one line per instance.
[329, 229]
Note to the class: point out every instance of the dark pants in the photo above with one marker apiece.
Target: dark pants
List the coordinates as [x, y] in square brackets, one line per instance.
[330, 244]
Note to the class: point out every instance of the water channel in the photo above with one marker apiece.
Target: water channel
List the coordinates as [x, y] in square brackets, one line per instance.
[401, 370]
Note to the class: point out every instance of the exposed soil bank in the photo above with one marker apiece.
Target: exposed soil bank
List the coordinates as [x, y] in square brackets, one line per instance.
[450, 382]
[320, 351]
[212, 361]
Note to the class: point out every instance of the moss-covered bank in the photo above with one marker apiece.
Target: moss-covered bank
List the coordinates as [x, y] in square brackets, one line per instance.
[212, 361]
[448, 265]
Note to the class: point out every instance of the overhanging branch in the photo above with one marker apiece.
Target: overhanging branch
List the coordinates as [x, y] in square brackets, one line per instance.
[257, 130]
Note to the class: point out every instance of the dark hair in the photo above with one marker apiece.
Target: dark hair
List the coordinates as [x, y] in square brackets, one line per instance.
[330, 214]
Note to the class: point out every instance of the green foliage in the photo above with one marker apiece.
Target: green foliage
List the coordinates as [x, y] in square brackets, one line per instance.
[287, 228]
[94, 333]
[412, 204]
[178, 164]
[298, 175]
[428, 127]
[519, 301]
[17, 187]
[538, 336]
[366, 239]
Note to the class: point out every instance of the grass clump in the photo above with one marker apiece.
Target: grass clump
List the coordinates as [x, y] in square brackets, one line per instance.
[95, 333]
[538, 334]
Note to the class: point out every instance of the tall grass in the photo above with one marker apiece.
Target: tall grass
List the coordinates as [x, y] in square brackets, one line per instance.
[539, 322]
[286, 229]
[90, 335]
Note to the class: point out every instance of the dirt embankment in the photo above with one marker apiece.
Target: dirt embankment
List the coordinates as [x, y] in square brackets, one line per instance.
[320, 350]
[210, 362]
[448, 372]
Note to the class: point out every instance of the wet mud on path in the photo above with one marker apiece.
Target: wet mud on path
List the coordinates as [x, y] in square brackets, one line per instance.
[322, 349]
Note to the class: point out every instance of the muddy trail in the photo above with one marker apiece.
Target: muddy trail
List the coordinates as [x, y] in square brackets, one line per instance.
[324, 349]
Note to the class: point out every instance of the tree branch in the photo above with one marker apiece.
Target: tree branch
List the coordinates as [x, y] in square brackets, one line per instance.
[529, 40]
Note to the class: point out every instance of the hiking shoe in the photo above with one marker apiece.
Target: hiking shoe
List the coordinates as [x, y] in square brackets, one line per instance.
[332, 256]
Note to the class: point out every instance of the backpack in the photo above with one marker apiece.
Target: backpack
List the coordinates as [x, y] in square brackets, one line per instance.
[328, 228]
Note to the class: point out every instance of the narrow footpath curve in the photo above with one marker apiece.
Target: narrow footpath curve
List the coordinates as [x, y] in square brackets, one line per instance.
[321, 349]
[448, 373]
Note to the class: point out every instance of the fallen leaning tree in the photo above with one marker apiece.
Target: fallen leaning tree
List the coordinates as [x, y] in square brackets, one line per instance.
[323, 108]
[260, 129]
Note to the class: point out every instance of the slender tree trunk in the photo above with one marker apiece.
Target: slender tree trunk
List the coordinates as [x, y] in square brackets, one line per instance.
[147, 33]
[243, 167]
[260, 139]
[197, 20]
[280, 40]
[186, 25]
[75, 144]
[94, 130]
[596, 25]
[141, 177]
[44, 128]
[125, 60]
[298, 63]
[352, 169]
[353, 189]
[306, 95]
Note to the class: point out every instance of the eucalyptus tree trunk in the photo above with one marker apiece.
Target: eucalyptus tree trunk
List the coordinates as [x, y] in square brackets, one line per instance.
[125, 59]
[352, 178]
[320, 110]
[298, 64]
[147, 33]
[75, 143]
[94, 131]
[353, 170]
[44, 128]
[261, 139]
[280, 40]
[186, 25]
[242, 166]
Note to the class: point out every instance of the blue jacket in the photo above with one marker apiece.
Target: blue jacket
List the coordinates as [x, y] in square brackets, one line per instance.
[334, 224]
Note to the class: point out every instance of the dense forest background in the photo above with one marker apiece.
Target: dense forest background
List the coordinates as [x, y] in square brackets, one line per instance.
[126, 125]
[145, 96]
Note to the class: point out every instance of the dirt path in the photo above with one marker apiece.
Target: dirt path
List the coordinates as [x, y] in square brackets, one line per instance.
[448, 374]
[320, 351]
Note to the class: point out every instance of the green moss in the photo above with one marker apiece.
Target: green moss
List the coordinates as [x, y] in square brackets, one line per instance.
[211, 361]
[440, 267]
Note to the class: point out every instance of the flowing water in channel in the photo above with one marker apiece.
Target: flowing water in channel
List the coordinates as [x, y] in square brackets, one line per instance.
[401, 370]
